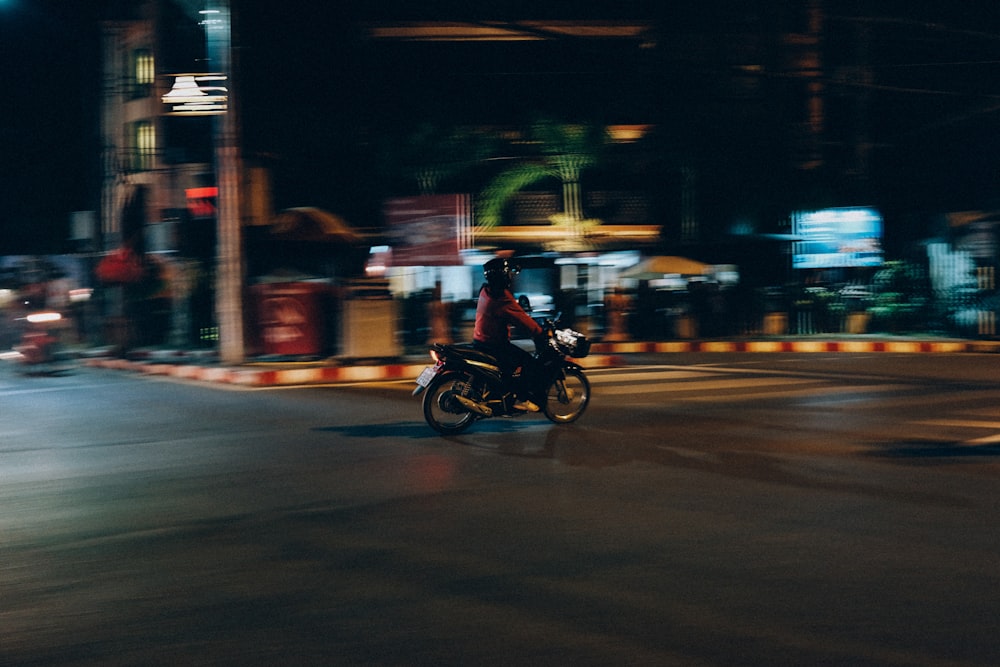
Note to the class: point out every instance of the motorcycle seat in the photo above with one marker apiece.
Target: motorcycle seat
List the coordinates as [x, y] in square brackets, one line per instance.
[472, 353]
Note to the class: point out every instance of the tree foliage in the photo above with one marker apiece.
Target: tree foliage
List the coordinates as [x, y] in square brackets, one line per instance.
[558, 150]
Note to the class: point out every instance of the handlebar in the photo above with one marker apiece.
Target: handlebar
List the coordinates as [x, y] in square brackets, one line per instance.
[551, 323]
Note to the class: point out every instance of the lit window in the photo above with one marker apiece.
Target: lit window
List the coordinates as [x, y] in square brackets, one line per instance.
[143, 148]
[142, 73]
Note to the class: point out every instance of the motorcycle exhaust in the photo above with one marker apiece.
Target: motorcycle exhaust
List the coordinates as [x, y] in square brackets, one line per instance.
[471, 405]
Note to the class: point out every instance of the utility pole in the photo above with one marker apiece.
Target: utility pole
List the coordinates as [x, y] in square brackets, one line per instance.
[228, 174]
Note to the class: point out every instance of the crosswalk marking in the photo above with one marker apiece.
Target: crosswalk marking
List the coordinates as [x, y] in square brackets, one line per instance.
[967, 423]
[970, 423]
[704, 385]
[986, 440]
[650, 376]
[776, 391]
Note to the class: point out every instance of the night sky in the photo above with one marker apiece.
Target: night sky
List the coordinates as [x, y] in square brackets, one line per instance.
[49, 83]
[48, 119]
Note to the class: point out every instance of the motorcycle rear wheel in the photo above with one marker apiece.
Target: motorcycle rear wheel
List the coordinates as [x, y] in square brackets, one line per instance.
[441, 411]
[567, 397]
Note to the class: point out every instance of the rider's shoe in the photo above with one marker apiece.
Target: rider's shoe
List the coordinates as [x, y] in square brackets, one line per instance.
[525, 406]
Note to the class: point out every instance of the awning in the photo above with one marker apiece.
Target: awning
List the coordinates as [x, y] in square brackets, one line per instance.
[312, 224]
[654, 268]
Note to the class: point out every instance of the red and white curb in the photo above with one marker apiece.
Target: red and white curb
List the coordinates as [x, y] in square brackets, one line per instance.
[268, 377]
[264, 377]
[897, 346]
[606, 355]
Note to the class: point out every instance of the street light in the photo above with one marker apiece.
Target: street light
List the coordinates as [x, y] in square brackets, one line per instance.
[191, 95]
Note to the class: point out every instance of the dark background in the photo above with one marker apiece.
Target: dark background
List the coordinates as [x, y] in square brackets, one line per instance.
[321, 93]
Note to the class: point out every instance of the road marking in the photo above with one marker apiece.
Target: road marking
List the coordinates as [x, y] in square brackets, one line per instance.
[650, 376]
[968, 423]
[45, 390]
[986, 440]
[804, 392]
[706, 385]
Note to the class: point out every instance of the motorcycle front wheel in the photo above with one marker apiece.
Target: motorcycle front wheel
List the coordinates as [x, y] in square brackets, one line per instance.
[443, 413]
[567, 397]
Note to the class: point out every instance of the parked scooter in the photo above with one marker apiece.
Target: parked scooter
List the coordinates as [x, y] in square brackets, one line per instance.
[41, 351]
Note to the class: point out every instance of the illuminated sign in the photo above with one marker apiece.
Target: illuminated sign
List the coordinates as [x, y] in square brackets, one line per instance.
[429, 230]
[201, 202]
[837, 237]
[197, 95]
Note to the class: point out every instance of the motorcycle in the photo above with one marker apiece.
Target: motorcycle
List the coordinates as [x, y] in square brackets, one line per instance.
[465, 384]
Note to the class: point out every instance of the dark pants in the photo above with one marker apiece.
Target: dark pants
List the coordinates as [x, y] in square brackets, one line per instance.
[516, 365]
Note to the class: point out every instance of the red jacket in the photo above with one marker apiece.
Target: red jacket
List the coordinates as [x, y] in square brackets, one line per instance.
[495, 315]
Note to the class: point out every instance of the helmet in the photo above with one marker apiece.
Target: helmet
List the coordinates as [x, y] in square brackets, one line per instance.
[499, 273]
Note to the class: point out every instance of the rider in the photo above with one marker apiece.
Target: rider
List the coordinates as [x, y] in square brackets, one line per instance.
[496, 311]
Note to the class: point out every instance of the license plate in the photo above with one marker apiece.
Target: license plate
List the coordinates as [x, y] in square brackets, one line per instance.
[426, 376]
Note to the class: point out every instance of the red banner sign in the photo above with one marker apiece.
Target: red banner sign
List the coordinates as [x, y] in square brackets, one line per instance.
[429, 230]
[201, 202]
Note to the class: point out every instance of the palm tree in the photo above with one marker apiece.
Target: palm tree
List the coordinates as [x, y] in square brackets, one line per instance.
[565, 151]
[431, 154]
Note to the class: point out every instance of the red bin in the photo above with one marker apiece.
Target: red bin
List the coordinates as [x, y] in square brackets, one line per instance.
[290, 317]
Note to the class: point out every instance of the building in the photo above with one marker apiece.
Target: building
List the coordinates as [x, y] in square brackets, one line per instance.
[150, 159]
[159, 183]
[727, 118]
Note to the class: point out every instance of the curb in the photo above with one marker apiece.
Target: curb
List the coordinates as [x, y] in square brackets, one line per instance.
[897, 346]
[606, 355]
[264, 377]
[291, 377]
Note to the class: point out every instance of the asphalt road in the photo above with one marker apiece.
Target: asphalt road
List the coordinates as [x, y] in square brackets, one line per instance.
[707, 510]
